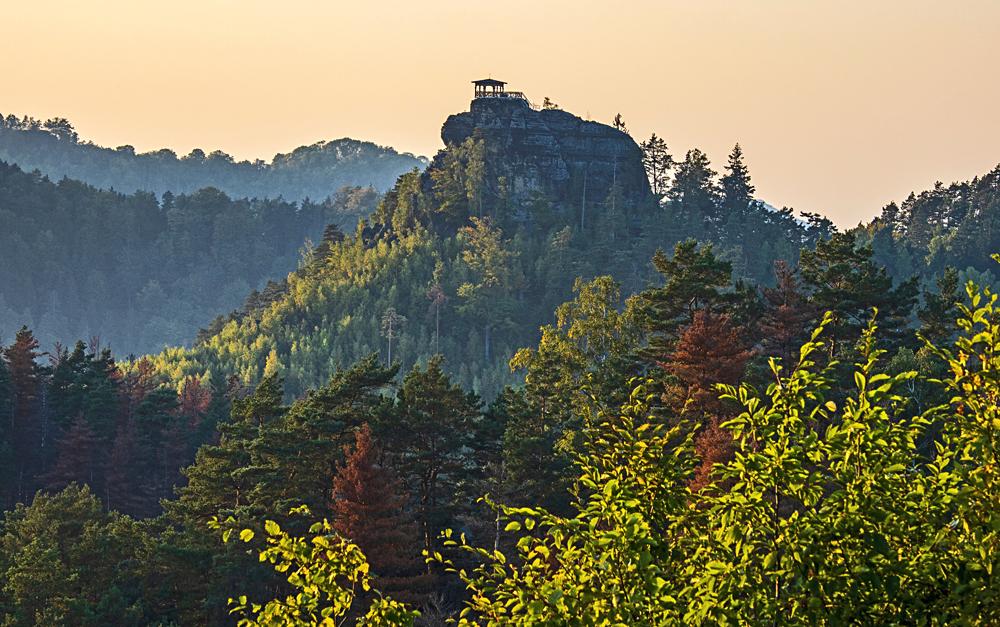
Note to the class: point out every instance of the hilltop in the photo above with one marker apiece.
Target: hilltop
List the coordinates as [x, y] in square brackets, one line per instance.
[316, 171]
[470, 257]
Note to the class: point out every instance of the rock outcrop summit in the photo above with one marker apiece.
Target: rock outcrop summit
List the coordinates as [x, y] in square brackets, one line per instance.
[551, 152]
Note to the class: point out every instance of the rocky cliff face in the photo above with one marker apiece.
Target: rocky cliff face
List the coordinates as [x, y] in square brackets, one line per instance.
[552, 152]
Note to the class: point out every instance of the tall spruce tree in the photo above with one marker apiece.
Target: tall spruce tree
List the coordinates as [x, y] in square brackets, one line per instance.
[370, 509]
[694, 194]
[657, 162]
[26, 433]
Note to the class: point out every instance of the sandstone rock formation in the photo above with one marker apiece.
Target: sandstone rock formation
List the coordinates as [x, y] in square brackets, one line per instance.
[552, 152]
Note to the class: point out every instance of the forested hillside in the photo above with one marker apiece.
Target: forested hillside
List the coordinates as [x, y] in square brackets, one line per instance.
[314, 172]
[615, 444]
[141, 272]
[949, 226]
[460, 261]
[516, 393]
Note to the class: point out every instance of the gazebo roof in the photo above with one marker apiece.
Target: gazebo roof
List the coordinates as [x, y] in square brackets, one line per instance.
[489, 82]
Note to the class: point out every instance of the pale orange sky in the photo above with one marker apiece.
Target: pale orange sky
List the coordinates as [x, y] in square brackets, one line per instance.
[840, 106]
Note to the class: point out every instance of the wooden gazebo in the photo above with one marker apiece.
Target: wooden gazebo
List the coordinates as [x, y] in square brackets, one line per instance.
[487, 87]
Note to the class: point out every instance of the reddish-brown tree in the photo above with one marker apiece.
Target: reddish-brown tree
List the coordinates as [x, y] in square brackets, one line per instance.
[370, 509]
[709, 351]
[787, 317]
[193, 400]
[125, 491]
[24, 427]
[76, 459]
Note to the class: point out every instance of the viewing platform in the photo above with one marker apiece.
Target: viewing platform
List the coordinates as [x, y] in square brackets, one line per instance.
[492, 88]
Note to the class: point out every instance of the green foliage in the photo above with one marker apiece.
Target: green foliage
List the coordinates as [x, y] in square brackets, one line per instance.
[314, 171]
[845, 280]
[954, 225]
[826, 514]
[499, 269]
[142, 273]
[64, 561]
[328, 574]
[606, 564]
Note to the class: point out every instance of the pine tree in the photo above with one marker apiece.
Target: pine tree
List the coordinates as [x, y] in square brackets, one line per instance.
[694, 195]
[842, 278]
[370, 509]
[392, 323]
[488, 256]
[292, 460]
[125, 491]
[708, 352]
[788, 316]
[694, 279]
[25, 428]
[425, 436]
[217, 481]
[7, 466]
[658, 162]
[619, 123]
[938, 314]
[77, 459]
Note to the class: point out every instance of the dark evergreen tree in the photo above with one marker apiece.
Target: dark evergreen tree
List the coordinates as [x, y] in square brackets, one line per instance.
[657, 162]
[843, 279]
[694, 279]
[939, 311]
[425, 436]
[25, 428]
[694, 194]
[788, 316]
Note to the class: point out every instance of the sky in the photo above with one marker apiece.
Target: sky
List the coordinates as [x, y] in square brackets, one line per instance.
[840, 107]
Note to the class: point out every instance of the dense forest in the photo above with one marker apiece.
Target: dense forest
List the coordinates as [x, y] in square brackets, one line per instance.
[447, 266]
[956, 225]
[140, 272]
[54, 148]
[623, 484]
[582, 409]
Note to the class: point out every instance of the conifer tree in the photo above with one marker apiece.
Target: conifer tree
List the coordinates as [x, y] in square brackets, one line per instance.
[437, 297]
[292, 461]
[25, 430]
[787, 318]
[694, 194]
[77, 459]
[843, 278]
[708, 352]
[619, 123]
[487, 298]
[694, 279]
[737, 190]
[370, 510]
[392, 323]
[658, 162]
[7, 467]
[217, 482]
[938, 314]
[425, 436]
